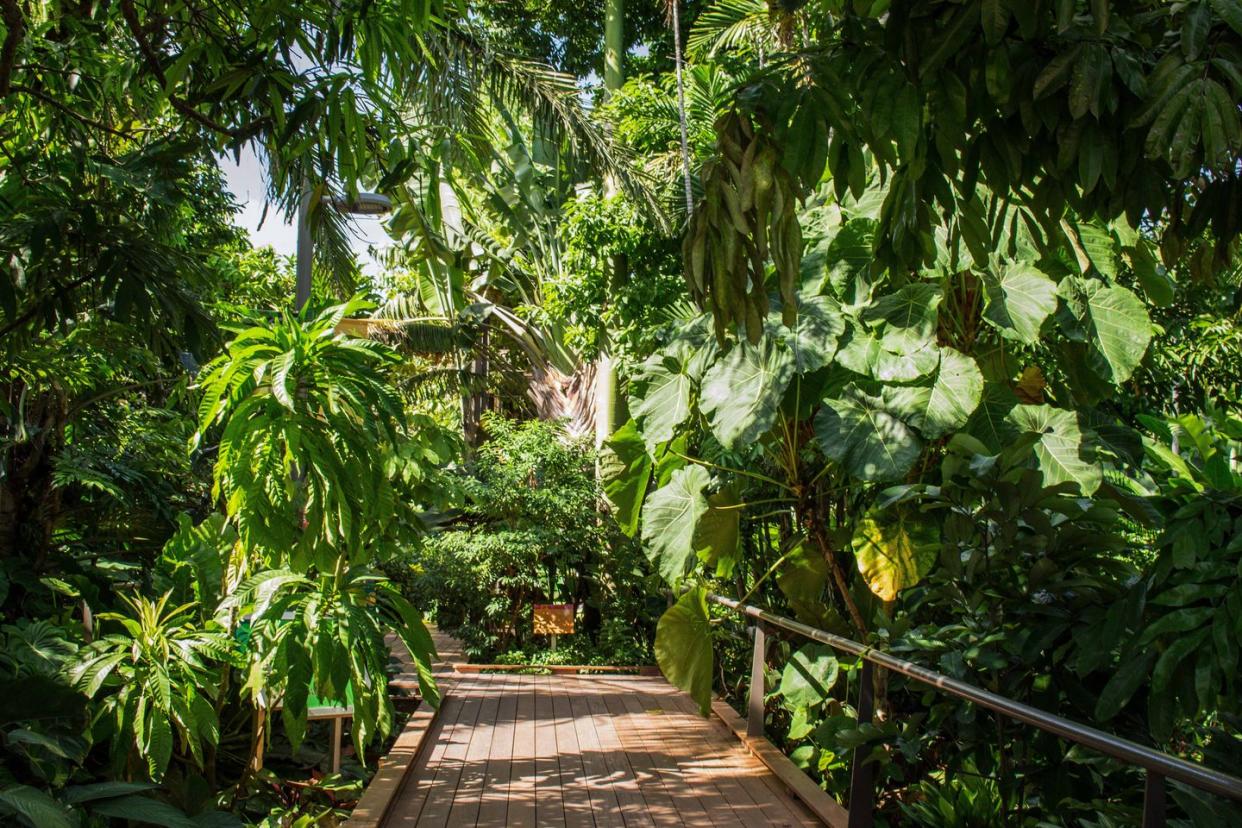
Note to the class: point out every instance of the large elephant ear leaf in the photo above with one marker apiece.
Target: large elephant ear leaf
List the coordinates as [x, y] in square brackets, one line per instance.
[683, 647]
[625, 469]
[813, 337]
[1019, 299]
[671, 517]
[660, 398]
[1115, 324]
[716, 535]
[895, 553]
[947, 404]
[1061, 448]
[742, 391]
[862, 434]
[913, 308]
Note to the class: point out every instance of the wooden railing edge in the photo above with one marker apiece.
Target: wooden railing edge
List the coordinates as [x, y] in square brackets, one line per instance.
[831, 812]
[394, 767]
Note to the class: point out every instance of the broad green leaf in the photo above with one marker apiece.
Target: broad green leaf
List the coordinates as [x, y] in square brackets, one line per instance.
[683, 647]
[1151, 274]
[832, 264]
[913, 307]
[35, 806]
[159, 743]
[104, 790]
[1018, 302]
[895, 553]
[716, 535]
[861, 352]
[802, 579]
[742, 391]
[625, 470]
[1229, 11]
[671, 516]
[1123, 329]
[869, 441]
[144, 810]
[1128, 678]
[945, 405]
[905, 355]
[995, 14]
[813, 338]
[660, 398]
[1060, 450]
[808, 676]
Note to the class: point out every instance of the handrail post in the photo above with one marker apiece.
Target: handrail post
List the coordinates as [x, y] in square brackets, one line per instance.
[1153, 801]
[862, 773]
[755, 704]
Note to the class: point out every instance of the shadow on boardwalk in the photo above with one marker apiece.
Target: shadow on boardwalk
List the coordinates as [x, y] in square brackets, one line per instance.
[584, 750]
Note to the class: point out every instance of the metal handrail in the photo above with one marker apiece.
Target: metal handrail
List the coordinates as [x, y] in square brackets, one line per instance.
[1158, 765]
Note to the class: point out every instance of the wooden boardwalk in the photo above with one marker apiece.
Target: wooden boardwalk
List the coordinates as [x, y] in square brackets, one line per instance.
[583, 751]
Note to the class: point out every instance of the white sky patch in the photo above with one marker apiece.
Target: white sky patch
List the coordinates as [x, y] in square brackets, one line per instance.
[245, 181]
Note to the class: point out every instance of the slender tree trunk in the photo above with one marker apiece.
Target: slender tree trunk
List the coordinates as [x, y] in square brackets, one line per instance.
[606, 377]
[681, 105]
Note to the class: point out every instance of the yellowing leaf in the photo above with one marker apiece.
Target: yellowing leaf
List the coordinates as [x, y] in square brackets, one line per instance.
[894, 555]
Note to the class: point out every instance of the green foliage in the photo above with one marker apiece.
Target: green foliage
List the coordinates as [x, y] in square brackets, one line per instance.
[309, 407]
[163, 667]
[683, 647]
[530, 533]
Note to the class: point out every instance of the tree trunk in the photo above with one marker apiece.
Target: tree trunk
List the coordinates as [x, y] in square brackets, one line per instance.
[606, 372]
[29, 497]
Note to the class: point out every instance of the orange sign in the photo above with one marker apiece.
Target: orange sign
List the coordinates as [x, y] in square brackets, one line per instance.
[554, 619]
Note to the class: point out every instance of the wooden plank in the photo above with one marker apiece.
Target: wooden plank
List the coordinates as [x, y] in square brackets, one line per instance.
[598, 777]
[393, 769]
[631, 799]
[755, 796]
[661, 769]
[673, 744]
[576, 795]
[408, 807]
[579, 670]
[448, 770]
[465, 810]
[501, 757]
[606, 750]
[811, 795]
[549, 806]
[718, 763]
[522, 770]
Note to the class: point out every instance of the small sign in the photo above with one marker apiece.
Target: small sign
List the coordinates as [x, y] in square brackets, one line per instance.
[554, 619]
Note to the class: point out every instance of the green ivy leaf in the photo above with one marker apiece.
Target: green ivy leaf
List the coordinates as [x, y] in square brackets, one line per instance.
[683, 647]
[671, 516]
[894, 554]
[742, 391]
[870, 442]
[625, 470]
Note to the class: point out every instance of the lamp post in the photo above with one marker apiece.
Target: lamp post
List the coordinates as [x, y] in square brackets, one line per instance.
[365, 204]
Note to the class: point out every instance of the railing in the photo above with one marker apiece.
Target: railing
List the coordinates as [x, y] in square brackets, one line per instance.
[1159, 766]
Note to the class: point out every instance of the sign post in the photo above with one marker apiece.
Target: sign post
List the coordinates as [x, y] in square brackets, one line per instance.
[554, 620]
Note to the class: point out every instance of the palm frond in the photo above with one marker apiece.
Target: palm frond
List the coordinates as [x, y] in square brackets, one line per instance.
[732, 24]
[468, 72]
